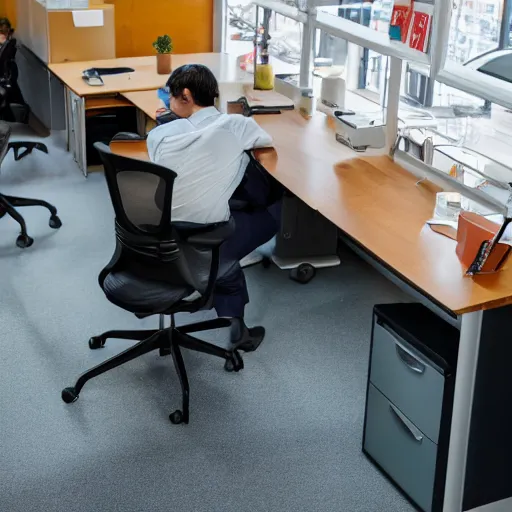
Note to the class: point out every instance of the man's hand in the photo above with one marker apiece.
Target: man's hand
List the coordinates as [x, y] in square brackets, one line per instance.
[266, 157]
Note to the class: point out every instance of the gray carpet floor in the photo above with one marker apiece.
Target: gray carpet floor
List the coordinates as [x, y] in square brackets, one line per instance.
[283, 435]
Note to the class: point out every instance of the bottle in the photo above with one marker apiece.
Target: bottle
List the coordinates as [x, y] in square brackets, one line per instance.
[263, 73]
[307, 103]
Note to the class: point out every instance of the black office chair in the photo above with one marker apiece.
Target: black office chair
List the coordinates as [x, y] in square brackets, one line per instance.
[8, 204]
[156, 268]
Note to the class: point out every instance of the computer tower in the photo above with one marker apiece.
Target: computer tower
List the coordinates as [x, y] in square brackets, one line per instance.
[306, 236]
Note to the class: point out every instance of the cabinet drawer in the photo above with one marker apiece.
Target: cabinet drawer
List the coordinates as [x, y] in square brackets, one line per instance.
[400, 448]
[408, 379]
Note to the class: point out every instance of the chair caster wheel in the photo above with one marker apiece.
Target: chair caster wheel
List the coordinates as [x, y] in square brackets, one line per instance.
[69, 395]
[96, 342]
[176, 417]
[303, 273]
[55, 222]
[24, 241]
[235, 364]
[266, 262]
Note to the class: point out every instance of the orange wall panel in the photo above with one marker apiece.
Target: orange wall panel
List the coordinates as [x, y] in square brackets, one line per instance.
[139, 22]
[8, 9]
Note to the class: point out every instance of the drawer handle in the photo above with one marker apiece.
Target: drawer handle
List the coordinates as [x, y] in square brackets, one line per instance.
[408, 426]
[409, 360]
[407, 357]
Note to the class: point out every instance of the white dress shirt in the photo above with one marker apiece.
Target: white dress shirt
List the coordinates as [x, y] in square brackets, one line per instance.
[206, 151]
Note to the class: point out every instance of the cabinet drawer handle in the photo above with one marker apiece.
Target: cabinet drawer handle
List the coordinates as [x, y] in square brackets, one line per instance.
[405, 355]
[407, 425]
[409, 360]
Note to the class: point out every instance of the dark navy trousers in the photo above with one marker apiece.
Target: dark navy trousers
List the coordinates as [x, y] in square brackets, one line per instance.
[254, 226]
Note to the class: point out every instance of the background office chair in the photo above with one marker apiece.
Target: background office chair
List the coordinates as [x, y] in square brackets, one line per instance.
[9, 203]
[156, 268]
[12, 105]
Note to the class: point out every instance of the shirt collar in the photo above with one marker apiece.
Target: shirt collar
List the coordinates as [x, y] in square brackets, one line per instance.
[199, 116]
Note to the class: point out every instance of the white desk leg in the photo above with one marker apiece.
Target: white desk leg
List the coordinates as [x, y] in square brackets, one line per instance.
[76, 129]
[82, 138]
[67, 109]
[462, 405]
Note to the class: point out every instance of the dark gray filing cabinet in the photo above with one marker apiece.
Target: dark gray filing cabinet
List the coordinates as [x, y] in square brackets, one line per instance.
[410, 398]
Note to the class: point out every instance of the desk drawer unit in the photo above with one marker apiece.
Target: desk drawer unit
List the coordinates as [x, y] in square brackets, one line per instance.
[409, 379]
[410, 396]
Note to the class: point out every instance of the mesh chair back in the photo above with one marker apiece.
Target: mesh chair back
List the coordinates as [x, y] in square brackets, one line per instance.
[141, 194]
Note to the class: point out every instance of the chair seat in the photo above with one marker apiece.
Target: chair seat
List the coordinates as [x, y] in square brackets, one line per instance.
[140, 295]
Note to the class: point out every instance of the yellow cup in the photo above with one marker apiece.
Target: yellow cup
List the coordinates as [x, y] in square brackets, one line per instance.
[264, 77]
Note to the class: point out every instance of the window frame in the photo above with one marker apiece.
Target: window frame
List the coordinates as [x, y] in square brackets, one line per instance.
[285, 10]
[471, 80]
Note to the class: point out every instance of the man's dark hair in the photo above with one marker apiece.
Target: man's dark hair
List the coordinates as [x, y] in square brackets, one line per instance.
[5, 27]
[199, 80]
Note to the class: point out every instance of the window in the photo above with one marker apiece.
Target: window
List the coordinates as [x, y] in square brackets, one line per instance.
[471, 139]
[338, 56]
[360, 12]
[369, 24]
[478, 56]
[474, 123]
[365, 73]
[329, 50]
[285, 34]
[474, 29]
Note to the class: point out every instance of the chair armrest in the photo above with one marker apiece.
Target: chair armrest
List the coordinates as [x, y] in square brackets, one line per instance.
[206, 235]
[121, 136]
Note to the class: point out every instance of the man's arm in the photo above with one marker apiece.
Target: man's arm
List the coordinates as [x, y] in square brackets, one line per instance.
[249, 133]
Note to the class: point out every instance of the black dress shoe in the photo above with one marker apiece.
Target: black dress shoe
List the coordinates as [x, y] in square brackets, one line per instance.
[252, 339]
[244, 338]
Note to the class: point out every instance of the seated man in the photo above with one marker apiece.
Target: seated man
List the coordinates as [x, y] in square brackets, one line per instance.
[207, 150]
[10, 91]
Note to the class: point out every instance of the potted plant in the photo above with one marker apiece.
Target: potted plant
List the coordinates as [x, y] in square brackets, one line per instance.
[163, 47]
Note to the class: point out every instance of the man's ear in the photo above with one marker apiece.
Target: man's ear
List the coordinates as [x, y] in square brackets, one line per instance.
[186, 96]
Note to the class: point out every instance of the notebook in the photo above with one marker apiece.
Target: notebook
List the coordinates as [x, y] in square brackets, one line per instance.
[420, 27]
[271, 100]
[400, 20]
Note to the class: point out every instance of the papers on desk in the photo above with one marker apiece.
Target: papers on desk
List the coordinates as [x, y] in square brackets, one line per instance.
[267, 99]
[88, 18]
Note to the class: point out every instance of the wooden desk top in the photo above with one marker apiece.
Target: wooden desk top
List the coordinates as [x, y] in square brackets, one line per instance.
[376, 203]
[130, 148]
[147, 101]
[144, 77]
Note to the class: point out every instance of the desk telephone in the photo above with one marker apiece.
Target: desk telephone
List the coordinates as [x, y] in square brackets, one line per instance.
[92, 76]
